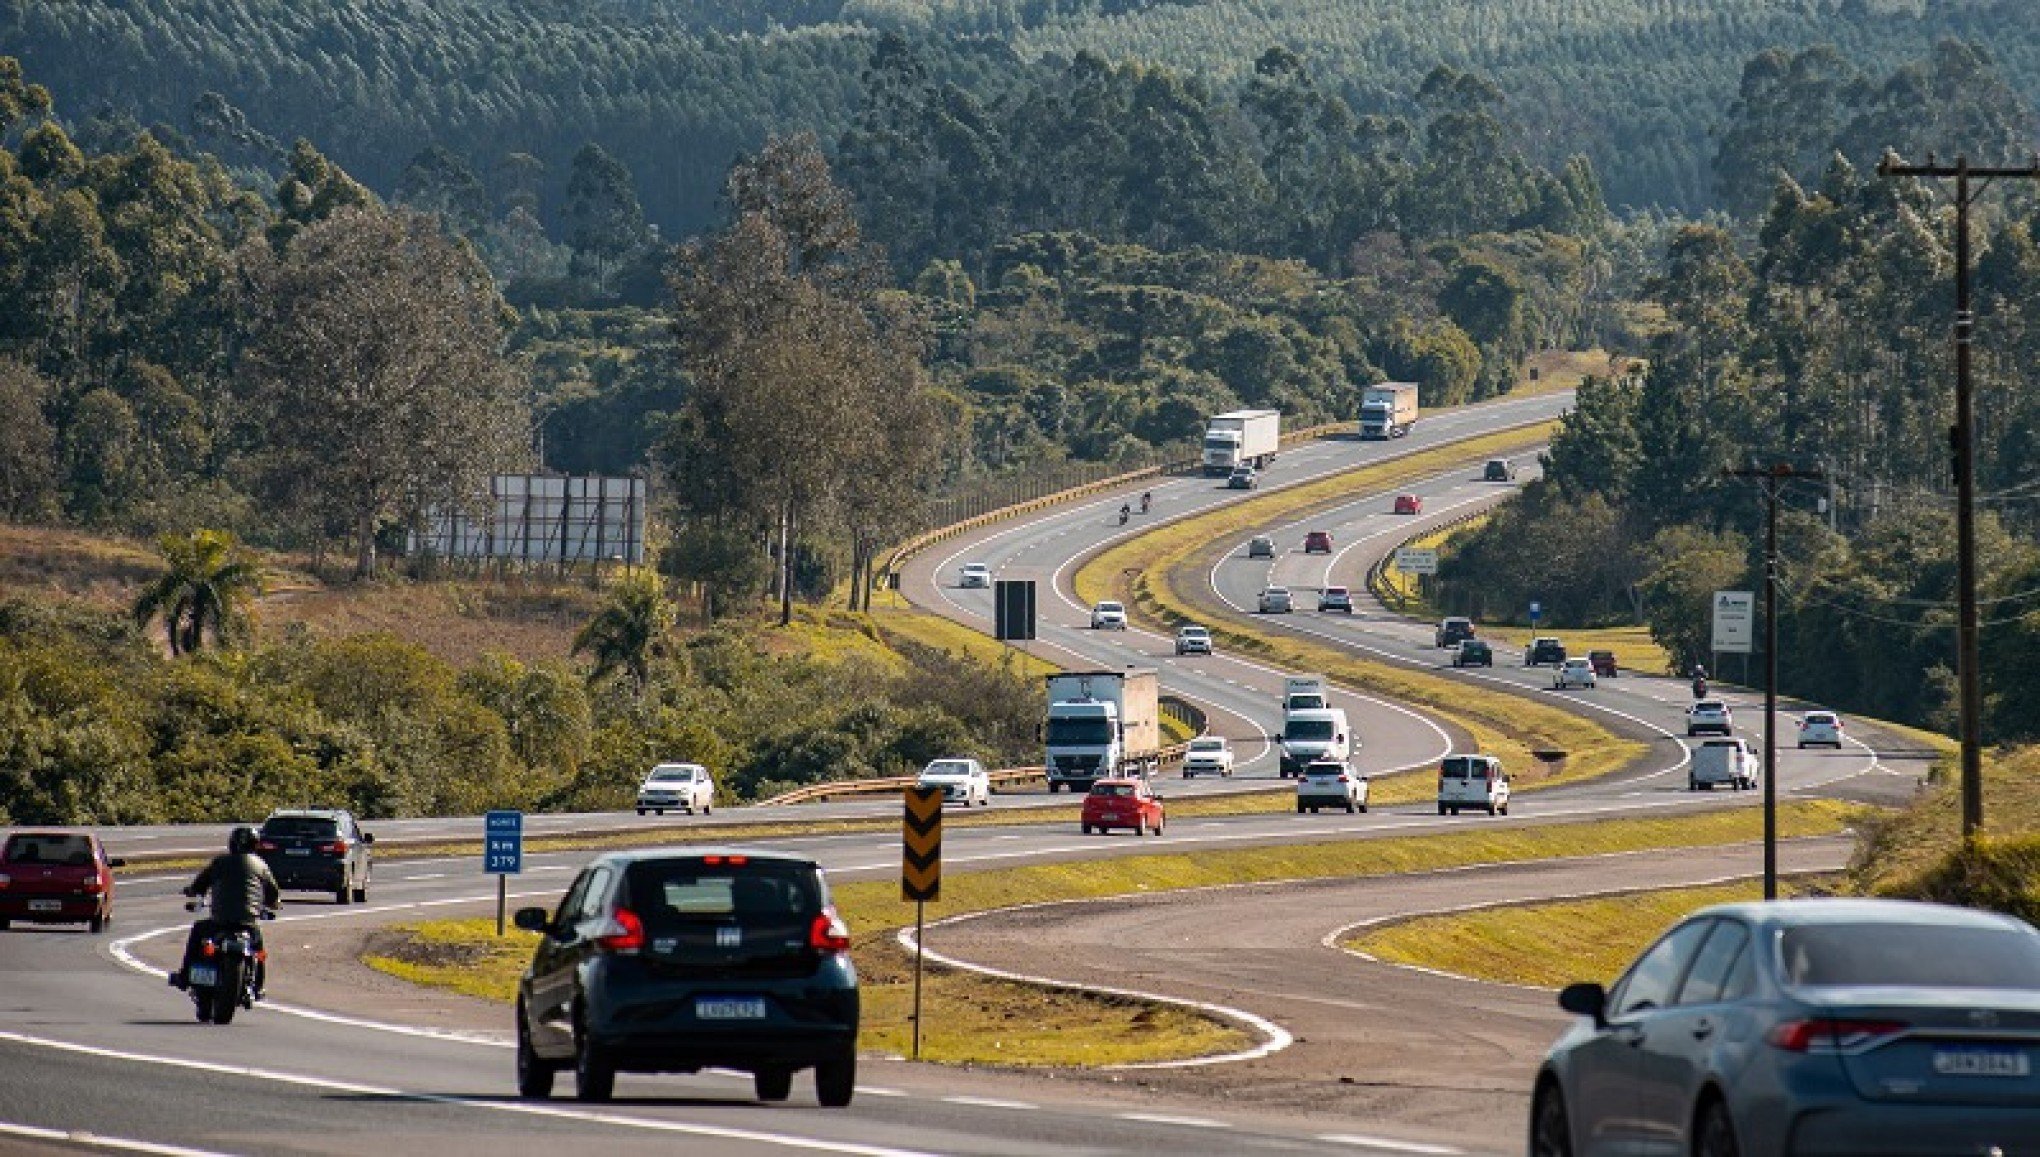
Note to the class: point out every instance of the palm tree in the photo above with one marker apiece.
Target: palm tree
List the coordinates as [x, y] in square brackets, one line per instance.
[628, 631]
[204, 592]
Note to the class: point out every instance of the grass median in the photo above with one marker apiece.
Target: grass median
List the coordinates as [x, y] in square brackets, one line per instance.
[1507, 725]
[973, 1020]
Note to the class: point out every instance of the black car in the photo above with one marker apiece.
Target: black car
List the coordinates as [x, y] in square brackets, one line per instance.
[671, 960]
[1542, 651]
[1473, 653]
[1451, 631]
[317, 850]
[1499, 470]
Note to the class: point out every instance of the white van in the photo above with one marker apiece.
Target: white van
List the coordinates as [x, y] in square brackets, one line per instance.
[1717, 761]
[1472, 781]
[1314, 733]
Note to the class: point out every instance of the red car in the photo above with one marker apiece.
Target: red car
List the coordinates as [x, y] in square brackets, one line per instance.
[56, 878]
[1317, 542]
[1604, 663]
[1408, 504]
[1123, 803]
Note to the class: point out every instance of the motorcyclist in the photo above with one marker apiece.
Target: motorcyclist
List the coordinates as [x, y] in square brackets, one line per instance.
[1125, 512]
[242, 888]
[1699, 681]
[1147, 499]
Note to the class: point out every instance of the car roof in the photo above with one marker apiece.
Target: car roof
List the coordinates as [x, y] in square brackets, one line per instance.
[1115, 779]
[1852, 910]
[1709, 705]
[313, 813]
[628, 856]
[1193, 627]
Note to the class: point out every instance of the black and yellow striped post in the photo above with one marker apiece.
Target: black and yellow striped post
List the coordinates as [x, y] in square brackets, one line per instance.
[921, 873]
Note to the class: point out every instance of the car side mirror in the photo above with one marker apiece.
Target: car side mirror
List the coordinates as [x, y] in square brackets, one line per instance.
[116, 862]
[1585, 999]
[531, 919]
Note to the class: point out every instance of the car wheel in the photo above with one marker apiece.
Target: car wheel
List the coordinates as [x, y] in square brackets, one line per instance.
[345, 892]
[594, 1073]
[1087, 829]
[1550, 1132]
[1140, 827]
[1351, 807]
[836, 1081]
[96, 924]
[1160, 824]
[1716, 1135]
[1692, 785]
[640, 811]
[1053, 787]
[708, 809]
[4, 922]
[1301, 807]
[1455, 811]
[1490, 809]
[1441, 809]
[1505, 809]
[361, 893]
[773, 1084]
[534, 1075]
[1363, 805]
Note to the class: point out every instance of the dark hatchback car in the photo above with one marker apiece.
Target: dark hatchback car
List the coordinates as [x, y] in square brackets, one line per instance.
[1473, 653]
[56, 878]
[671, 960]
[317, 850]
[1824, 1028]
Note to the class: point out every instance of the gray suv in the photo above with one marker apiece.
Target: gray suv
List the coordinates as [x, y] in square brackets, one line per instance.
[672, 960]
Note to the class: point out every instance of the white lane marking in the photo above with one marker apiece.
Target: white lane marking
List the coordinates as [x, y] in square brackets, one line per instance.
[1388, 1143]
[97, 1141]
[1274, 1038]
[427, 876]
[990, 1103]
[1166, 1119]
[488, 1104]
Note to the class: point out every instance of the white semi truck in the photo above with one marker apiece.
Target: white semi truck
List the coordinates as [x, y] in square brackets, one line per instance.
[1241, 438]
[1101, 724]
[1388, 410]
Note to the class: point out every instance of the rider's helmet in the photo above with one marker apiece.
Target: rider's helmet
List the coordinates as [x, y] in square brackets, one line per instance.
[242, 841]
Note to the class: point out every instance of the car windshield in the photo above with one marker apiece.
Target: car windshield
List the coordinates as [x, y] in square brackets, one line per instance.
[300, 828]
[672, 775]
[1110, 608]
[1207, 745]
[1909, 955]
[1307, 729]
[55, 848]
[948, 767]
[1091, 732]
[665, 893]
[1113, 789]
[1194, 632]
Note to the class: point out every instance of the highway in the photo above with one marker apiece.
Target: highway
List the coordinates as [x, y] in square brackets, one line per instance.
[90, 1039]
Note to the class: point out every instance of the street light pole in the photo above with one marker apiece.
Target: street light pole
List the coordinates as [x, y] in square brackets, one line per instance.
[1962, 442]
[1770, 476]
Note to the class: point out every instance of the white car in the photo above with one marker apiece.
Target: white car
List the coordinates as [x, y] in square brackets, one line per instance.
[1193, 640]
[1276, 601]
[1330, 783]
[1473, 781]
[1108, 616]
[1574, 673]
[974, 574]
[1208, 755]
[677, 787]
[1820, 729]
[1709, 715]
[1335, 599]
[959, 779]
[1718, 761]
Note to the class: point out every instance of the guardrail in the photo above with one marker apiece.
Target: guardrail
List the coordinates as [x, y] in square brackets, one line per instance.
[1377, 579]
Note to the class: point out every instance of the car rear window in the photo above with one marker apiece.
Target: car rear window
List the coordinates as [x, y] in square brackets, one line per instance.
[300, 828]
[1818, 718]
[1118, 789]
[1911, 955]
[1463, 767]
[668, 892]
[55, 848]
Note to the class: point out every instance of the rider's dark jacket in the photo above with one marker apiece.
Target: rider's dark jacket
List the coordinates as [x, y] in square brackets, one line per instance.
[242, 886]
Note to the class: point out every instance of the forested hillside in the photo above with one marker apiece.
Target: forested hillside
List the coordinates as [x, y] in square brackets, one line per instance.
[674, 90]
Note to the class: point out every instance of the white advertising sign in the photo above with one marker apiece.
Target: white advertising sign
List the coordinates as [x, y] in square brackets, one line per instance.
[1735, 618]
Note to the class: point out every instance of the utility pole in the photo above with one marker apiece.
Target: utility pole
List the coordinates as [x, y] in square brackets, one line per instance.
[1962, 441]
[1771, 476]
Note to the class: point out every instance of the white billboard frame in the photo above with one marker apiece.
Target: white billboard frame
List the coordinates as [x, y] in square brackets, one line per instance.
[544, 518]
[1735, 622]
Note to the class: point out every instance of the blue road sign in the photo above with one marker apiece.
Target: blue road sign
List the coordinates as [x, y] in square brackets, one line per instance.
[503, 843]
[1536, 612]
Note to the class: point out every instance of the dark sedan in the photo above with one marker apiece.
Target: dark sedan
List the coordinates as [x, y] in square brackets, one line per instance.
[1825, 1028]
[317, 850]
[673, 960]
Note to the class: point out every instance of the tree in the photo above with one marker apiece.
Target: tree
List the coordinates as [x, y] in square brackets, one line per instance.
[375, 369]
[27, 444]
[203, 593]
[439, 182]
[629, 632]
[605, 223]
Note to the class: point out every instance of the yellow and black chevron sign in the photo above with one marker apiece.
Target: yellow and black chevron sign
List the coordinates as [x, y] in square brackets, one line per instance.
[921, 865]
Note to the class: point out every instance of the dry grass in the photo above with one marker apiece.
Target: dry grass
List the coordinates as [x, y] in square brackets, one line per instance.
[1903, 848]
[105, 573]
[1565, 370]
[938, 633]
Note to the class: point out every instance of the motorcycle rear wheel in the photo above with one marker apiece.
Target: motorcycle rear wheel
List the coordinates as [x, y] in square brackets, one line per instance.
[227, 996]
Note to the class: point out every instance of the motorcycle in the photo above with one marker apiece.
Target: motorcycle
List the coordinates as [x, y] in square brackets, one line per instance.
[1699, 687]
[1124, 514]
[220, 976]
[1146, 500]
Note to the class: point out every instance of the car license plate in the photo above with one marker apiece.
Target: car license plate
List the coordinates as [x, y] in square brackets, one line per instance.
[729, 1008]
[203, 974]
[1982, 1063]
[297, 851]
[45, 905]
[1108, 815]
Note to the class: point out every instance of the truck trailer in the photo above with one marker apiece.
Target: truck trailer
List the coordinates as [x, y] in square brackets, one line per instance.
[1241, 438]
[1388, 410]
[1101, 724]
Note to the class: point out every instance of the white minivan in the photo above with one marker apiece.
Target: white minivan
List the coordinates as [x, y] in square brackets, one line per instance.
[1314, 733]
[1472, 781]
[1719, 761]
[677, 787]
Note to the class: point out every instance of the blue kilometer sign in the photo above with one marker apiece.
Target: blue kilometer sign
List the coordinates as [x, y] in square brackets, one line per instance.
[503, 843]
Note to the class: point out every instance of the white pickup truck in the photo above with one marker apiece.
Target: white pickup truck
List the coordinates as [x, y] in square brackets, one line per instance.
[1718, 761]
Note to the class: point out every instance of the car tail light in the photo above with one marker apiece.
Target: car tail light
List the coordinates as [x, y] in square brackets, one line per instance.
[5, 879]
[733, 861]
[828, 933]
[623, 934]
[265, 845]
[208, 948]
[90, 884]
[1831, 1036]
[335, 847]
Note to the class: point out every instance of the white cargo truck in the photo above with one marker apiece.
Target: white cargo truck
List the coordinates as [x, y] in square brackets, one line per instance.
[1303, 693]
[1241, 438]
[1388, 410]
[1101, 724]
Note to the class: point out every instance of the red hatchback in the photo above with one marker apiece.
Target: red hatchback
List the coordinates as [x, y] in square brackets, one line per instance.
[1123, 803]
[56, 878]
[1317, 542]
[1408, 504]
